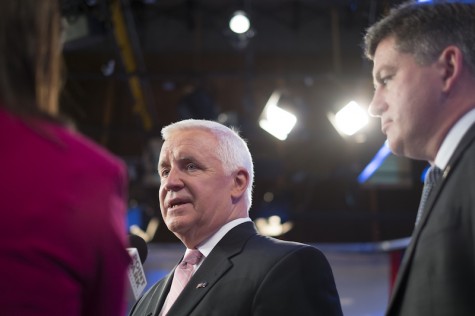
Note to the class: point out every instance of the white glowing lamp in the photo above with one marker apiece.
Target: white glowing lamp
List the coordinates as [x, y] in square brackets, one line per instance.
[239, 23]
[351, 118]
[275, 120]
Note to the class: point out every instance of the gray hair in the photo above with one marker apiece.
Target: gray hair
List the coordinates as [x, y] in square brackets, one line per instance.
[426, 29]
[232, 149]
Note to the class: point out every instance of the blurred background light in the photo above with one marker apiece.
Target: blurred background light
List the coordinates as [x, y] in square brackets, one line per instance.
[239, 22]
[275, 120]
[350, 119]
[272, 226]
[375, 163]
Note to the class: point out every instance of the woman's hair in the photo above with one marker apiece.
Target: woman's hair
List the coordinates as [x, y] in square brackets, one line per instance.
[30, 56]
[232, 150]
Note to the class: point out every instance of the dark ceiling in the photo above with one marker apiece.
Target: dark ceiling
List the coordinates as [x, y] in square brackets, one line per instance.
[135, 66]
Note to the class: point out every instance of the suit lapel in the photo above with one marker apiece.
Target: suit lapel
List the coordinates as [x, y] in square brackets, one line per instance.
[213, 268]
[154, 300]
[468, 138]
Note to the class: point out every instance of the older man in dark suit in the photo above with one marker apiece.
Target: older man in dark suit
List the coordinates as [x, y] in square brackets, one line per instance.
[424, 74]
[206, 175]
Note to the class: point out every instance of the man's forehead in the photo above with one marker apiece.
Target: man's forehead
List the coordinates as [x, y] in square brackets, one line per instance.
[384, 55]
[184, 149]
[170, 151]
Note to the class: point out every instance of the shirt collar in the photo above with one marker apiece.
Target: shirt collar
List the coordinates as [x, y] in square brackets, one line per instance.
[206, 247]
[453, 138]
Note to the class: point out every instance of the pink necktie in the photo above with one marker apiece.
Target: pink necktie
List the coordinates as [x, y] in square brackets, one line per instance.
[183, 273]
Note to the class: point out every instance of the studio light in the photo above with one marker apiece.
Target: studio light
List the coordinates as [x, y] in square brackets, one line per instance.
[275, 120]
[273, 226]
[239, 22]
[350, 119]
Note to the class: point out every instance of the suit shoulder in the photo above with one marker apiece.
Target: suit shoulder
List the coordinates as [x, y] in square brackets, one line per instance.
[281, 246]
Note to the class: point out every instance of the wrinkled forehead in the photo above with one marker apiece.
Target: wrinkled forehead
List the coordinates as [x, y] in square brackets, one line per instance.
[189, 143]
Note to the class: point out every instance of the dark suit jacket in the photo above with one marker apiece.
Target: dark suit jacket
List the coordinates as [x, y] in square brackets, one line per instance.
[437, 275]
[249, 274]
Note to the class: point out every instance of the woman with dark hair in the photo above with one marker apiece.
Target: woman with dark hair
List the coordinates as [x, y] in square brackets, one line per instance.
[62, 233]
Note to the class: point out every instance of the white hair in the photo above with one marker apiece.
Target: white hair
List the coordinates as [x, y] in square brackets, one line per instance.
[232, 148]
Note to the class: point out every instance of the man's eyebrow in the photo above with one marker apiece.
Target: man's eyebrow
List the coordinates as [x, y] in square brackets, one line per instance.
[377, 74]
[180, 159]
[185, 158]
[162, 164]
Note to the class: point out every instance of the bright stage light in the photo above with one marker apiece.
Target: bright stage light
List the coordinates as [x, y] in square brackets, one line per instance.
[275, 120]
[239, 23]
[350, 119]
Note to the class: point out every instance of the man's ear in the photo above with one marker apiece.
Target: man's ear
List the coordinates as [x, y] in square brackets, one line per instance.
[450, 63]
[241, 181]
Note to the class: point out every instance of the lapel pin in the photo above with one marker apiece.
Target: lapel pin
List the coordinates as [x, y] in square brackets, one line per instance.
[202, 285]
[446, 172]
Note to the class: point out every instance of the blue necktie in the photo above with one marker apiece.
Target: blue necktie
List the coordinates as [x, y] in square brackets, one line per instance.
[432, 176]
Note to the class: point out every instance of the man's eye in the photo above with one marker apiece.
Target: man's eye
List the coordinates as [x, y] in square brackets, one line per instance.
[191, 166]
[384, 80]
[164, 172]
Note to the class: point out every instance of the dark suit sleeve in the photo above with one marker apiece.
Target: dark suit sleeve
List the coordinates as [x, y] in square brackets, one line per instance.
[301, 283]
[150, 302]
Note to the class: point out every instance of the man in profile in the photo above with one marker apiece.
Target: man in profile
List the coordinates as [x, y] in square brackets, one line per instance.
[424, 77]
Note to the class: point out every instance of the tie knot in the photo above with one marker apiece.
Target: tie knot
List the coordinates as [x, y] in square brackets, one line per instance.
[193, 257]
[433, 175]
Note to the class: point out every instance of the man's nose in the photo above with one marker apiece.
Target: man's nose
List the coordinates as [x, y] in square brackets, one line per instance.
[377, 105]
[173, 181]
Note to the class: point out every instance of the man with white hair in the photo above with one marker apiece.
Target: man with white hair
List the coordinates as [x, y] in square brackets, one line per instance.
[206, 173]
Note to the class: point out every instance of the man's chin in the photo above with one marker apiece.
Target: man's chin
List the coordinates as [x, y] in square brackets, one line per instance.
[174, 224]
[394, 146]
[177, 225]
